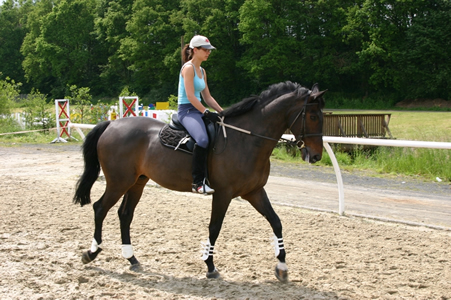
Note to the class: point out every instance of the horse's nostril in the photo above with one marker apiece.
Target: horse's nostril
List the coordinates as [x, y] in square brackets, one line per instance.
[316, 158]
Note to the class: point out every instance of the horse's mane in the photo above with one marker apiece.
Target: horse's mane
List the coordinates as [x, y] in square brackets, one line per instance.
[274, 91]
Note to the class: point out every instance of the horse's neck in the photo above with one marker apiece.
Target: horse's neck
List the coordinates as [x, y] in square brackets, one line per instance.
[268, 121]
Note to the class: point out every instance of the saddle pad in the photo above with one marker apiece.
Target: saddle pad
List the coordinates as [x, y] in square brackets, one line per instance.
[173, 138]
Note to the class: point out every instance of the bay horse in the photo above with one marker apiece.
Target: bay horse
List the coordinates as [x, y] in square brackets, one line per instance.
[129, 152]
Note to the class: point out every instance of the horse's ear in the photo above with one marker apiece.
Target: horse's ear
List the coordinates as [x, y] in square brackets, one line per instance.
[317, 94]
[315, 88]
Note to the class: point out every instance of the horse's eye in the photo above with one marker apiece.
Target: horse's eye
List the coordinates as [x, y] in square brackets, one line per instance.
[313, 118]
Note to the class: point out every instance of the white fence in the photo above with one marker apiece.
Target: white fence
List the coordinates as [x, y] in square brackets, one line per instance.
[365, 141]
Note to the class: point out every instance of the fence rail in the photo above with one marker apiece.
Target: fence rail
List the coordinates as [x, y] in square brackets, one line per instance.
[357, 125]
[364, 141]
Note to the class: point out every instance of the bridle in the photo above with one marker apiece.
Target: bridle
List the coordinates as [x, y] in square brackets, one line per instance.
[298, 139]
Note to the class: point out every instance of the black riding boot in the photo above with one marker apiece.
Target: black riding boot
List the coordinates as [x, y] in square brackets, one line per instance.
[199, 171]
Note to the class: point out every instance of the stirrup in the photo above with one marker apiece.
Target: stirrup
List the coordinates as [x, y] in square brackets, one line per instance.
[202, 188]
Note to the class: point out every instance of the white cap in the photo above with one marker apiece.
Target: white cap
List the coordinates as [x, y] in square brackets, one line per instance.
[200, 41]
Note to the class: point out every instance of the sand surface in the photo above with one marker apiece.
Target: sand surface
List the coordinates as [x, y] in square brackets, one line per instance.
[42, 237]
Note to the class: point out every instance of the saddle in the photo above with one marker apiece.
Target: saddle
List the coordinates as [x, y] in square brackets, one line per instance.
[175, 136]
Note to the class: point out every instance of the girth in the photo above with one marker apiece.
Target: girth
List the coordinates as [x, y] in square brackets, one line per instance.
[175, 136]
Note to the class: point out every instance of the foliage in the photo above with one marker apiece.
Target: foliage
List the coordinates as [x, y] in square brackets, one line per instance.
[173, 102]
[37, 113]
[81, 98]
[363, 50]
[9, 90]
[8, 124]
[12, 33]
[65, 47]
[126, 92]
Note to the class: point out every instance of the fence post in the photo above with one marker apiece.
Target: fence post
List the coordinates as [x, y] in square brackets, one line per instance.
[341, 194]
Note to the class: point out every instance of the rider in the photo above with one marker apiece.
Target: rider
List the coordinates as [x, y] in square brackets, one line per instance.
[192, 84]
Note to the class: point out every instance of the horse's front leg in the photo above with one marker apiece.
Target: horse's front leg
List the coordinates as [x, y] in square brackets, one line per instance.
[259, 200]
[219, 209]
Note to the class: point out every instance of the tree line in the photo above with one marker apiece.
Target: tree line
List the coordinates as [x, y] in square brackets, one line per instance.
[396, 49]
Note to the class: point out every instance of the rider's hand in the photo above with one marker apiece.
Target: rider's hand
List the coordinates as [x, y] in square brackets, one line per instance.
[212, 116]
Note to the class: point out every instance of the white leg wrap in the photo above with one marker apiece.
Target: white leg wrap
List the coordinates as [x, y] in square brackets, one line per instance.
[127, 251]
[206, 249]
[278, 244]
[94, 246]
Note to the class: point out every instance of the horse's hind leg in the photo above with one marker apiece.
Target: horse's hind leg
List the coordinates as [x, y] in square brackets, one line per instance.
[101, 208]
[259, 200]
[126, 212]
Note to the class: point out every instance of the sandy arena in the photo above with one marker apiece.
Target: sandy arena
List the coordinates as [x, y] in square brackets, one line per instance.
[43, 235]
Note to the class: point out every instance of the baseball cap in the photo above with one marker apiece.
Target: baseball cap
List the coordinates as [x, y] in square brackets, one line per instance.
[200, 41]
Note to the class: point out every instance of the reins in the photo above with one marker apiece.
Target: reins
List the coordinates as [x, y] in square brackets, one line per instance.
[297, 140]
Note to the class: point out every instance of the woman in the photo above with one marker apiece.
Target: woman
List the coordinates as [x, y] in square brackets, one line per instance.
[192, 84]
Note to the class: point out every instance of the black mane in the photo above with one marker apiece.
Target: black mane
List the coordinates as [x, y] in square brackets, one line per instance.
[274, 91]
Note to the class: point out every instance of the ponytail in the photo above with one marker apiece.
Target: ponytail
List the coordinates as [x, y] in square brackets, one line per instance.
[187, 53]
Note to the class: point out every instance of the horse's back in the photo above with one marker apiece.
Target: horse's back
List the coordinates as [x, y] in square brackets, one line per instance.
[131, 147]
[126, 141]
[130, 131]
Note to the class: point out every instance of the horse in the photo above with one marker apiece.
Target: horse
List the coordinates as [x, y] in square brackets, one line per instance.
[130, 154]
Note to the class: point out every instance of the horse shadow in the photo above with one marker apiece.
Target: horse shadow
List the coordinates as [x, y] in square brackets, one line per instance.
[222, 287]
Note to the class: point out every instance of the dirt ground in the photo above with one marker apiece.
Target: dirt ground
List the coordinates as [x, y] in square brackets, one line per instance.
[42, 236]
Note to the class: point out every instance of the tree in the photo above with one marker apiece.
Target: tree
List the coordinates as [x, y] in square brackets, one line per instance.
[81, 99]
[293, 40]
[9, 90]
[12, 32]
[151, 42]
[404, 46]
[65, 48]
[35, 68]
[218, 20]
[110, 28]
[425, 57]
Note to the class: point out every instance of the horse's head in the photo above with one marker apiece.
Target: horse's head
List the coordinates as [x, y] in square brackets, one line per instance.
[306, 123]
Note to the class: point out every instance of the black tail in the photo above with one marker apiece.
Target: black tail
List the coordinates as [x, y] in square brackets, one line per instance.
[92, 166]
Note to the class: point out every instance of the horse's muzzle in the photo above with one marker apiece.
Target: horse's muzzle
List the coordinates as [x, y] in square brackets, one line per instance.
[307, 156]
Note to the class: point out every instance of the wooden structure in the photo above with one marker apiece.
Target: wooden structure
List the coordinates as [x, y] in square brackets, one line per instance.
[357, 125]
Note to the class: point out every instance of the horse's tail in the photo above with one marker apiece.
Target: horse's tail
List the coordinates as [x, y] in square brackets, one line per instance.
[92, 166]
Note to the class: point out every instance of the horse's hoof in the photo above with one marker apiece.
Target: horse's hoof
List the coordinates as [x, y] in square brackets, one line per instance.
[136, 267]
[214, 274]
[85, 258]
[282, 272]
[88, 256]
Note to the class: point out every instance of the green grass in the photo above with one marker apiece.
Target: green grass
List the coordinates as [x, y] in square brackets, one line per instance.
[426, 164]
[35, 137]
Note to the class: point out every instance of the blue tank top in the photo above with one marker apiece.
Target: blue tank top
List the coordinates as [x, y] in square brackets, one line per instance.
[199, 86]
